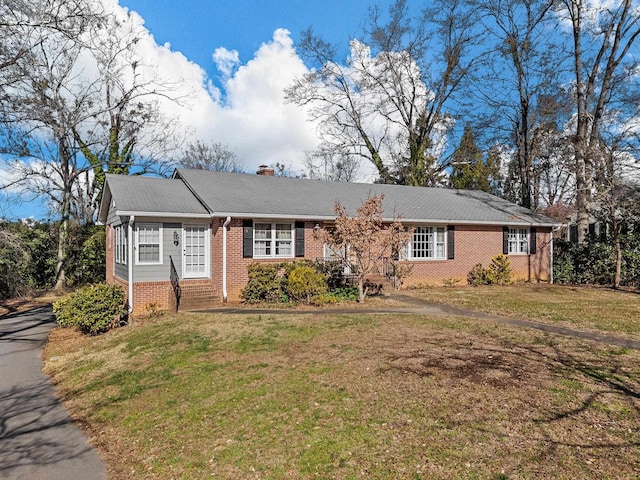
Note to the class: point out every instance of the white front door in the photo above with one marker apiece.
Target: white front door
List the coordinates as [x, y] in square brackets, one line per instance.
[195, 255]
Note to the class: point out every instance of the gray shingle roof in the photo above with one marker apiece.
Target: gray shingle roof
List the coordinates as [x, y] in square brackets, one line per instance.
[158, 196]
[204, 193]
[244, 195]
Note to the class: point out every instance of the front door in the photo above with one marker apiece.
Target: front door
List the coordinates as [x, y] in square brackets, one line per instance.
[195, 252]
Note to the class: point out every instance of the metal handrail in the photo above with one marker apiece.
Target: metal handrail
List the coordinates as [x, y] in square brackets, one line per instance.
[175, 282]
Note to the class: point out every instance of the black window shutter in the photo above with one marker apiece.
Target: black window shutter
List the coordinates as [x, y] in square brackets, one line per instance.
[592, 230]
[247, 238]
[299, 239]
[532, 240]
[505, 240]
[451, 242]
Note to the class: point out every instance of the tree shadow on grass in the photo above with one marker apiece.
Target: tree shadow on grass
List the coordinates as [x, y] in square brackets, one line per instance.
[578, 387]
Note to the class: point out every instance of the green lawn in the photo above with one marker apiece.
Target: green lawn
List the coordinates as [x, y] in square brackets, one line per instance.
[350, 397]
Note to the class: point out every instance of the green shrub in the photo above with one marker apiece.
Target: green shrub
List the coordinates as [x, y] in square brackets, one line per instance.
[334, 273]
[323, 299]
[265, 283]
[349, 294]
[303, 282]
[498, 273]
[563, 269]
[92, 309]
[594, 261]
[631, 260]
[477, 275]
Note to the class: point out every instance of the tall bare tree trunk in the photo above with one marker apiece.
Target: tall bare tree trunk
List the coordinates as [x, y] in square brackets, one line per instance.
[65, 211]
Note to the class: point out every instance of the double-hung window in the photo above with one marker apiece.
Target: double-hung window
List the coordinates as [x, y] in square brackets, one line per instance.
[428, 243]
[518, 240]
[273, 240]
[121, 244]
[149, 243]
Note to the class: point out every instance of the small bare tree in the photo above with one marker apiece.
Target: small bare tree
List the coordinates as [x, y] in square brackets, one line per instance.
[329, 163]
[367, 239]
[210, 156]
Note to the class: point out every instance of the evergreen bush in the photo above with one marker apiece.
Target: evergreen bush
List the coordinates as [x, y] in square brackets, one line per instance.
[498, 273]
[477, 275]
[304, 282]
[265, 283]
[92, 309]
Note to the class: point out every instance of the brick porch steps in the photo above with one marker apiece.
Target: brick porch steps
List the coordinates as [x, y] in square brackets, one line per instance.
[195, 297]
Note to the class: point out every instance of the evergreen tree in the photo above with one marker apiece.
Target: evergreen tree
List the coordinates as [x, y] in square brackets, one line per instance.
[469, 171]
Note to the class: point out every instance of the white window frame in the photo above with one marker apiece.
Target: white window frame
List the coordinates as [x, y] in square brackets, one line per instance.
[272, 243]
[341, 254]
[120, 244]
[160, 242]
[518, 241]
[207, 251]
[431, 230]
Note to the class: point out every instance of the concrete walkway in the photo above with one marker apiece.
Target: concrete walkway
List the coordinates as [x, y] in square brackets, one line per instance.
[38, 439]
[424, 307]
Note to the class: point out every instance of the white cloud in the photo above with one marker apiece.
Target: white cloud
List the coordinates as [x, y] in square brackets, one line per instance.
[249, 114]
[226, 60]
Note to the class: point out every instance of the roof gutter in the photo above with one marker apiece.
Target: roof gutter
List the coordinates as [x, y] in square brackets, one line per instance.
[126, 213]
[430, 221]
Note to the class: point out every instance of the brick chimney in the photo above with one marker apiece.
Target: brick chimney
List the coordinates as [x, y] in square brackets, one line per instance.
[265, 170]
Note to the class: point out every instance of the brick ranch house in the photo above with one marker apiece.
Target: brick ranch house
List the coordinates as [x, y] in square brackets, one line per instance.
[199, 230]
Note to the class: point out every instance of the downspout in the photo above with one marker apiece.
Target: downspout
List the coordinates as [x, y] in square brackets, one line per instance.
[132, 219]
[224, 258]
[551, 254]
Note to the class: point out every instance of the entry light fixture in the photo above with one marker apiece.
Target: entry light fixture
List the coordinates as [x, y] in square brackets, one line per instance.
[316, 228]
[176, 238]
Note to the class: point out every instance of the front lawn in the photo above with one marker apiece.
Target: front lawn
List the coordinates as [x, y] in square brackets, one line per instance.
[350, 397]
[586, 308]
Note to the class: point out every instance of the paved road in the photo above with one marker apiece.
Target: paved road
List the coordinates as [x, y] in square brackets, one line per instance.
[38, 440]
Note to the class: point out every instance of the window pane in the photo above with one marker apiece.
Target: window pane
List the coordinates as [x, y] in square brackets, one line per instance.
[149, 234]
[518, 239]
[283, 248]
[149, 253]
[283, 231]
[262, 248]
[149, 243]
[262, 231]
[428, 242]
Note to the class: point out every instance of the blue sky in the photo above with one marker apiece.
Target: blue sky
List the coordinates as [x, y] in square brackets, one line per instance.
[198, 29]
[242, 106]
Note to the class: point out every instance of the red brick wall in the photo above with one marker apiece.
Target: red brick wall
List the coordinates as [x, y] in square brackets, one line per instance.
[479, 244]
[473, 244]
[237, 266]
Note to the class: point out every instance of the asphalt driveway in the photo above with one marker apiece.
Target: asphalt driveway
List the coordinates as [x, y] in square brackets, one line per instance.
[38, 439]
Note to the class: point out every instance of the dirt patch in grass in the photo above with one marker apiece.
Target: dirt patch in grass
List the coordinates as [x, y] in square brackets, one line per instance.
[351, 396]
